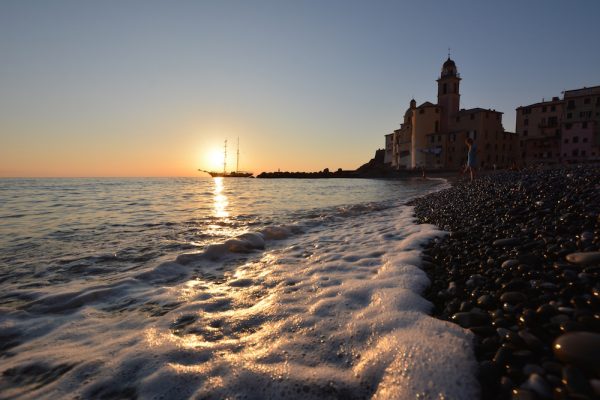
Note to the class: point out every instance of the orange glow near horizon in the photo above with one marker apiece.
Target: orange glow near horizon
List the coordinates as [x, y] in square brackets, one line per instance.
[191, 147]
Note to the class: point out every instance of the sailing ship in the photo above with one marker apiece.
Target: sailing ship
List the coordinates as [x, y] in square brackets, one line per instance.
[233, 174]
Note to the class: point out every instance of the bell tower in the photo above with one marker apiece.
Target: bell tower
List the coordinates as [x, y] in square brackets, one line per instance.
[448, 94]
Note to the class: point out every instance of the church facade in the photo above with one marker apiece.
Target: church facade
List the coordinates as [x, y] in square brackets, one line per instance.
[432, 136]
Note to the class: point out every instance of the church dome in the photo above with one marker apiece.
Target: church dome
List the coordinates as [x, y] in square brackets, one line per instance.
[449, 63]
[449, 68]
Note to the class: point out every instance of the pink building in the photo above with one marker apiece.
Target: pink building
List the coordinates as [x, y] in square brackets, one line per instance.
[581, 125]
[561, 130]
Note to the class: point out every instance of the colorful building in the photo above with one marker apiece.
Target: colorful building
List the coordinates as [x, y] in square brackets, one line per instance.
[561, 131]
[432, 136]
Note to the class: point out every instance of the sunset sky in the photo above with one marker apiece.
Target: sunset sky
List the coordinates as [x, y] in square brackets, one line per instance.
[153, 88]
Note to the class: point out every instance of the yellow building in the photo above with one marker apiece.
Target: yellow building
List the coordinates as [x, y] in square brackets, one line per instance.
[432, 136]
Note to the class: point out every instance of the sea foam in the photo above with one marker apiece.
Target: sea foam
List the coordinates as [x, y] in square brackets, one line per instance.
[317, 310]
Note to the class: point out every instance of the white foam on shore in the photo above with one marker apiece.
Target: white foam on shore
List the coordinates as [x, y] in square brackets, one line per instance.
[336, 312]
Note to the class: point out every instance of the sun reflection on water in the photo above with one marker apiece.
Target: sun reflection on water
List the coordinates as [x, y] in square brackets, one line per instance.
[221, 202]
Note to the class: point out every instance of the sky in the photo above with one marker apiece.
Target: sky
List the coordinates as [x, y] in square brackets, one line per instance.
[154, 88]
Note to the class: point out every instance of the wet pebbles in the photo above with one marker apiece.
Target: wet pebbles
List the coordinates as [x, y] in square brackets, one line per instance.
[521, 270]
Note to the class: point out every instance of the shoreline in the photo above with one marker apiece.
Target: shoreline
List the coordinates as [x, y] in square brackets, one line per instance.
[508, 274]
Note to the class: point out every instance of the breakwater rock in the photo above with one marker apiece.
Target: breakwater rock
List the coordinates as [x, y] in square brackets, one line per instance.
[310, 175]
[521, 270]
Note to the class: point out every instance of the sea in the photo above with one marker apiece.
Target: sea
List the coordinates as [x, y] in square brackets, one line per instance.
[222, 288]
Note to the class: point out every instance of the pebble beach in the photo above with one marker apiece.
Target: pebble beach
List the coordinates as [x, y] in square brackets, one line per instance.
[520, 270]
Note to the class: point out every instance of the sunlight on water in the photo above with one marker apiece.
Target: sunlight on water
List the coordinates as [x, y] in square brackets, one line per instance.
[220, 200]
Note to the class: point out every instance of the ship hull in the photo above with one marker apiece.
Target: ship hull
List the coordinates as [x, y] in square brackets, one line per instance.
[234, 174]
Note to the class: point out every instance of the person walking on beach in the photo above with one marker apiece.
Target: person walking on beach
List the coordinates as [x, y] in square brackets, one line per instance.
[471, 159]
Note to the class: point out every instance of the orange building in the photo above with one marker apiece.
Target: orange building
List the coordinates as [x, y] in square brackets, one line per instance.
[433, 136]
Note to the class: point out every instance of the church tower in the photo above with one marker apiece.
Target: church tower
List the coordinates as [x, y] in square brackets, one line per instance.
[448, 94]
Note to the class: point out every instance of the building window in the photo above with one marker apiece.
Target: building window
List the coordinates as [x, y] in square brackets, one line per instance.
[437, 126]
[575, 139]
[571, 105]
[569, 115]
[566, 140]
[525, 132]
[585, 140]
[498, 116]
[457, 119]
[553, 108]
[439, 138]
[437, 110]
[472, 116]
[455, 88]
[583, 153]
[526, 122]
[544, 109]
[586, 100]
[584, 125]
[568, 126]
[445, 88]
[422, 111]
[575, 152]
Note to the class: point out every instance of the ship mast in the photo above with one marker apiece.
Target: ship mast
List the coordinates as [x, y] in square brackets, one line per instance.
[237, 165]
[225, 158]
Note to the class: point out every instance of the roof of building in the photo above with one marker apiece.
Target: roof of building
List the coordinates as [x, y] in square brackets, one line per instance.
[585, 91]
[542, 103]
[478, 110]
[427, 104]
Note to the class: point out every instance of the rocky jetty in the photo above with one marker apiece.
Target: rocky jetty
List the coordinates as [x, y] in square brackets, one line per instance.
[520, 269]
[310, 175]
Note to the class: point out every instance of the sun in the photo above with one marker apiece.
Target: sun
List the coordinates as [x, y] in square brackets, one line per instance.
[214, 160]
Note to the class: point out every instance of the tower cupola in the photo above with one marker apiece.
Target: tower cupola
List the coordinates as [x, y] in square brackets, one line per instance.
[449, 68]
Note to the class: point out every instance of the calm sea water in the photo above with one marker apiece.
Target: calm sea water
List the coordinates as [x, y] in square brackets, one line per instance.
[215, 288]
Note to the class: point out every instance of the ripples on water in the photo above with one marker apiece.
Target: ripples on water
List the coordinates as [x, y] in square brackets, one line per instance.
[144, 287]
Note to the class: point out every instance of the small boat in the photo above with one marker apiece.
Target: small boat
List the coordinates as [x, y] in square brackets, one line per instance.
[233, 174]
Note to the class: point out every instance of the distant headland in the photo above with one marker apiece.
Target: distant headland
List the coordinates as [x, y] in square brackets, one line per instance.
[375, 168]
